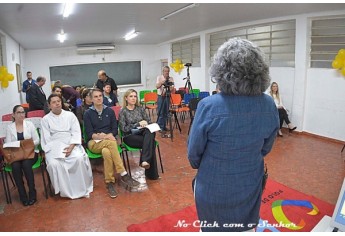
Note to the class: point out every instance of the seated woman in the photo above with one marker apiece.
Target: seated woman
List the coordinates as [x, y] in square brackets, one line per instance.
[67, 163]
[20, 130]
[109, 98]
[283, 116]
[86, 104]
[131, 116]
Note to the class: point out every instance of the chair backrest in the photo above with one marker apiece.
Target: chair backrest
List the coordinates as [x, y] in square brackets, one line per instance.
[195, 91]
[193, 103]
[181, 92]
[150, 97]
[187, 97]
[7, 117]
[117, 110]
[186, 90]
[142, 93]
[175, 99]
[37, 113]
[203, 94]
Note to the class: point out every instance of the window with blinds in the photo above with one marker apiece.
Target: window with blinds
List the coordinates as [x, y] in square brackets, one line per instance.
[1, 56]
[276, 39]
[188, 51]
[327, 38]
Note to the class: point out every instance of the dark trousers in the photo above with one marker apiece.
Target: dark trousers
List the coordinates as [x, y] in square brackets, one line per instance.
[146, 141]
[283, 116]
[163, 110]
[18, 167]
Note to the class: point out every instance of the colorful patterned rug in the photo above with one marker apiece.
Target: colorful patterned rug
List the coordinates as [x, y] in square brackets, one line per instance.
[282, 210]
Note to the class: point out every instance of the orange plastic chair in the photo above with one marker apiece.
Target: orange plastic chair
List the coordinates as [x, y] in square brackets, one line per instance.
[176, 106]
[117, 110]
[150, 101]
[37, 113]
[25, 105]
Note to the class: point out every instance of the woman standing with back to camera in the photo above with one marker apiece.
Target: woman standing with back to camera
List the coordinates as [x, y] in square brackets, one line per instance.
[231, 134]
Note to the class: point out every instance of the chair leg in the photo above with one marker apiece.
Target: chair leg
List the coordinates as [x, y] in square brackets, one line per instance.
[14, 185]
[52, 193]
[124, 162]
[160, 158]
[5, 185]
[8, 192]
[44, 180]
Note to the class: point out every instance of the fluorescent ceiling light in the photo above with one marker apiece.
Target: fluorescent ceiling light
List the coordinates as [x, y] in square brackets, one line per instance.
[62, 36]
[179, 10]
[67, 10]
[131, 35]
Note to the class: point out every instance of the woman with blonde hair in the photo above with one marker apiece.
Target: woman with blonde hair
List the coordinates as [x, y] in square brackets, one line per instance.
[283, 116]
[132, 121]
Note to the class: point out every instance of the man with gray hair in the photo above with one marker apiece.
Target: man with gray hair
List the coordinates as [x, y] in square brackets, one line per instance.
[231, 134]
[37, 95]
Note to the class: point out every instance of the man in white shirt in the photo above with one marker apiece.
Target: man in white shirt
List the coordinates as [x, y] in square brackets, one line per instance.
[164, 82]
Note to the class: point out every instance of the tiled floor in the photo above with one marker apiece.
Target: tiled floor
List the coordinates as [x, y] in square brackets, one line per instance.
[306, 163]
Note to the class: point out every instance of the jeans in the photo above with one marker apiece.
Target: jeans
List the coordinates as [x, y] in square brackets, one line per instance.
[163, 110]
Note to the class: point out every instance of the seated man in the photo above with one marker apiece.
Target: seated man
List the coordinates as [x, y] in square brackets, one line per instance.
[67, 163]
[109, 98]
[101, 128]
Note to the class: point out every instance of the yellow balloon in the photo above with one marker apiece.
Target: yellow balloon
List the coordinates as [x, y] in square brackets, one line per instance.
[341, 53]
[4, 84]
[177, 65]
[10, 77]
[337, 64]
[343, 71]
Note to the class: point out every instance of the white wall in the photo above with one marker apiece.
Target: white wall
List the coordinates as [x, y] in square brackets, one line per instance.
[316, 104]
[39, 61]
[314, 97]
[10, 96]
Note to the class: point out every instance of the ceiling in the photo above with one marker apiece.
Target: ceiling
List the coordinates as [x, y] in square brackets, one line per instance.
[36, 25]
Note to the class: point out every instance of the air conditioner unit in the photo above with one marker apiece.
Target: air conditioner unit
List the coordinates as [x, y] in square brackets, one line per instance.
[95, 48]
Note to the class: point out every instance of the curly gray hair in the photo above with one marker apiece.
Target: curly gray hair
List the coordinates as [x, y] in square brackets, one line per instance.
[239, 68]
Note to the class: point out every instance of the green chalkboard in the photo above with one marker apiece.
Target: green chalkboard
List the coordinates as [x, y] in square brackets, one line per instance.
[124, 73]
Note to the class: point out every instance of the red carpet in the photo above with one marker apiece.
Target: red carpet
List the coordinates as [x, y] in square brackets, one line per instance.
[282, 209]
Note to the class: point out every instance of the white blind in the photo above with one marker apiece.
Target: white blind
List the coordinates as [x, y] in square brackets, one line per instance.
[327, 38]
[1, 54]
[188, 51]
[276, 39]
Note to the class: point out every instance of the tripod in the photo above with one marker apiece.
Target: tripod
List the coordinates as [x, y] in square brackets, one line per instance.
[188, 83]
[165, 99]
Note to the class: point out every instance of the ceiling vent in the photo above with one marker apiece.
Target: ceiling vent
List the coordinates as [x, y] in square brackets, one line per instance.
[95, 48]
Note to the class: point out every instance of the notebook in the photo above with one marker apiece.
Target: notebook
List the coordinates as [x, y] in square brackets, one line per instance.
[337, 222]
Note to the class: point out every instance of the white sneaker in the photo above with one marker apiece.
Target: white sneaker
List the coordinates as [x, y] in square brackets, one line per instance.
[145, 165]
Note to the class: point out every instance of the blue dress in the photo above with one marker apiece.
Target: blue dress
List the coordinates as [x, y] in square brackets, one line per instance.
[229, 138]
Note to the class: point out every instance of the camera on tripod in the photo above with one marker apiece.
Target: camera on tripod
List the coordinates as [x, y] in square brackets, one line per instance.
[168, 83]
[188, 64]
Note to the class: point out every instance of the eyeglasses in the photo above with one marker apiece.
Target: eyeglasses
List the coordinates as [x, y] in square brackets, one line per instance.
[20, 112]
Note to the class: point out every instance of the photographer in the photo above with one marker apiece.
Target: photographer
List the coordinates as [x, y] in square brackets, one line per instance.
[164, 83]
